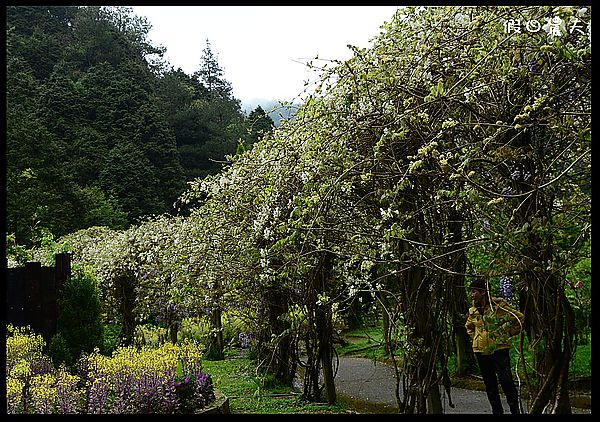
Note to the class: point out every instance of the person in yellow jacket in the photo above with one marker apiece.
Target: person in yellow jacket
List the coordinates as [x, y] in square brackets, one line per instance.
[491, 324]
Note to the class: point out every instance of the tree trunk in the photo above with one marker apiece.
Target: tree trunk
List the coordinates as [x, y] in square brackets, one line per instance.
[549, 320]
[421, 332]
[325, 347]
[279, 354]
[173, 328]
[386, 332]
[385, 317]
[463, 350]
[552, 362]
[434, 401]
[319, 344]
[459, 303]
[216, 345]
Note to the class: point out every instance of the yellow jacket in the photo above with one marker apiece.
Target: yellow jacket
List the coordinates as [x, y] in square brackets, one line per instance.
[493, 330]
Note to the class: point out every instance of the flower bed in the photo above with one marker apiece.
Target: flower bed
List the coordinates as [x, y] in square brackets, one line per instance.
[165, 379]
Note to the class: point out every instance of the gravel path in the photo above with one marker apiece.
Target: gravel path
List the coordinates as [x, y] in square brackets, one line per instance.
[371, 387]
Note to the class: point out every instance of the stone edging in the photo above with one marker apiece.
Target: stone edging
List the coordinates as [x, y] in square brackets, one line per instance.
[220, 406]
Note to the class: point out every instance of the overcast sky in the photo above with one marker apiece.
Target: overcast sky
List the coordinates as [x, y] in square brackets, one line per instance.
[263, 49]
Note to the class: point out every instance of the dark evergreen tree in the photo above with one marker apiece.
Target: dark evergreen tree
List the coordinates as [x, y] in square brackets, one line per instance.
[176, 91]
[211, 74]
[258, 123]
[178, 96]
[40, 34]
[129, 176]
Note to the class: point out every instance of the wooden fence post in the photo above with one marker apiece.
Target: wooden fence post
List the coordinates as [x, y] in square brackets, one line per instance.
[62, 271]
[48, 297]
[33, 298]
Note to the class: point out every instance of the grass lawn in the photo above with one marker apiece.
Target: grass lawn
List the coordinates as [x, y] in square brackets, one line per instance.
[236, 378]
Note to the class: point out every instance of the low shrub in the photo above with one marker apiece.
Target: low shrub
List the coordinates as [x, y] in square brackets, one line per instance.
[56, 392]
[150, 335]
[59, 350]
[147, 380]
[79, 324]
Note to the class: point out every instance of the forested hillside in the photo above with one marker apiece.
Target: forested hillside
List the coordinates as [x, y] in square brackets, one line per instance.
[100, 129]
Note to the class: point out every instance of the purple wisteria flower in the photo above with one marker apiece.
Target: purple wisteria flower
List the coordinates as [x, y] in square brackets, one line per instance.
[506, 287]
[534, 67]
[518, 174]
[244, 340]
[97, 397]
[121, 389]
[68, 399]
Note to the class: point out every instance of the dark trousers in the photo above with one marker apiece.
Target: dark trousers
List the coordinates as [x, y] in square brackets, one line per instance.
[496, 368]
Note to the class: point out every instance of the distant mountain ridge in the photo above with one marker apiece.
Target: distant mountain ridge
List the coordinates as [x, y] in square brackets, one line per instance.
[272, 107]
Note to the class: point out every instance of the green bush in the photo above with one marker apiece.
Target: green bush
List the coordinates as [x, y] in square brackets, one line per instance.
[111, 338]
[59, 350]
[80, 319]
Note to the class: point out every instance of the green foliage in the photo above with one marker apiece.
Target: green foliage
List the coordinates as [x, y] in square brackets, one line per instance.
[101, 210]
[129, 176]
[44, 248]
[449, 149]
[17, 255]
[80, 325]
[203, 114]
[60, 351]
[581, 362]
[199, 329]
[365, 341]
[579, 293]
[111, 335]
[259, 124]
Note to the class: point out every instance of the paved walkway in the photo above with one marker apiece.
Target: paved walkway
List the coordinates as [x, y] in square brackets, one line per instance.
[371, 387]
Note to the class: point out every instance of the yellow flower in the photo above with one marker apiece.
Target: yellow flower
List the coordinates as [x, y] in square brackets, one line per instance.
[43, 392]
[14, 394]
[21, 370]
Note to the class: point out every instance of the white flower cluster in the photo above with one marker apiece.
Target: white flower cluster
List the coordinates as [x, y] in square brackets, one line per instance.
[264, 258]
[366, 266]
[462, 19]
